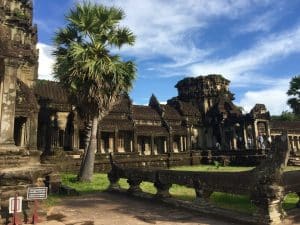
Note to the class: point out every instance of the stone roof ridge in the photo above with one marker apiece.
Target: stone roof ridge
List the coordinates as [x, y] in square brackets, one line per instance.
[283, 124]
[144, 112]
[259, 109]
[155, 104]
[51, 90]
[201, 78]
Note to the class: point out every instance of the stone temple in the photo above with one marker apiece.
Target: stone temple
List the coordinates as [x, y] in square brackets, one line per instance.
[19, 166]
[36, 116]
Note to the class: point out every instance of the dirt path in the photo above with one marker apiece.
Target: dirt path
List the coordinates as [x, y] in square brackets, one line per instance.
[109, 209]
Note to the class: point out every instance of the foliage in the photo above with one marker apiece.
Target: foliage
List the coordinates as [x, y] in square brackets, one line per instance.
[84, 60]
[286, 116]
[86, 64]
[217, 164]
[294, 92]
[20, 14]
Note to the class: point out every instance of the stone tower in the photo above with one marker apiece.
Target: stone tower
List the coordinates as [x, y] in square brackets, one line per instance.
[204, 91]
[19, 164]
[18, 61]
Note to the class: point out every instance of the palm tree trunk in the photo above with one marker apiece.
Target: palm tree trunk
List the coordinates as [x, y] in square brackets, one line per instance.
[88, 160]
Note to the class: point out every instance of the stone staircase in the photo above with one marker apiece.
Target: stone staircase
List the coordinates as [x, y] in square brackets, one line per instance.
[294, 161]
[14, 159]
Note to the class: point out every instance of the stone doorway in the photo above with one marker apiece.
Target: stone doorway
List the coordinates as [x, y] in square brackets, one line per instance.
[20, 134]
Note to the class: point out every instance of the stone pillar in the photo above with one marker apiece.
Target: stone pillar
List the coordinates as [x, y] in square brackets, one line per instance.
[134, 185]
[245, 137]
[23, 135]
[165, 146]
[181, 144]
[223, 142]
[255, 134]
[1, 90]
[76, 132]
[171, 147]
[33, 132]
[298, 143]
[8, 103]
[152, 144]
[188, 139]
[116, 139]
[135, 141]
[234, 141]
[99, 140]
[162, 189]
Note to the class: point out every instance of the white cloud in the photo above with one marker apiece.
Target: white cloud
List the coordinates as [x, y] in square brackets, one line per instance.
[266, 51]
[46, 61]
[274, 98]
[262, 22]
[167, 28]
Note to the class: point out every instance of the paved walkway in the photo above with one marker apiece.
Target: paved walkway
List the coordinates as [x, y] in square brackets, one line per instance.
[116, 209]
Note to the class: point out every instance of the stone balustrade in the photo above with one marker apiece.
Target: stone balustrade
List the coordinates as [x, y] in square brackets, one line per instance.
[266, 184]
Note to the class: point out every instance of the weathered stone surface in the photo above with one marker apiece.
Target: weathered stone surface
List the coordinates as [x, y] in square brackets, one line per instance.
[265, 184]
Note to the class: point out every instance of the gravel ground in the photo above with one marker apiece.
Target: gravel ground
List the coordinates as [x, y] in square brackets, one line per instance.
[116, 209]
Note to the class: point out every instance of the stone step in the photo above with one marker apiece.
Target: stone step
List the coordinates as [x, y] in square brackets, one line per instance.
[13, 161]
[294, 161]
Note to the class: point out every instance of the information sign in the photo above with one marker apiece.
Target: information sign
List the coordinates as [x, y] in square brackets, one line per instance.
[37, 193]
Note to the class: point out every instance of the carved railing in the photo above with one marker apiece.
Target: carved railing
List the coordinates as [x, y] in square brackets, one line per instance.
[266, 184]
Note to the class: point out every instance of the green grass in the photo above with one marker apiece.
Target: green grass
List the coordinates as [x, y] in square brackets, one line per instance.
[212, 168]
[238, 203]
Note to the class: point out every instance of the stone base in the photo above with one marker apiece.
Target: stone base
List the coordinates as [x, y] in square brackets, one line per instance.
[17, 180]
[8, 148]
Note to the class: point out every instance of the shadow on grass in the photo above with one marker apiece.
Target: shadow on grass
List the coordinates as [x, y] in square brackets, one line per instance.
[239, 203]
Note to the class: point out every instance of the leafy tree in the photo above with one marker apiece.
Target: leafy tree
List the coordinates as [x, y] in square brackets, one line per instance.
[286, 116]
[294, 91]
[87, 66]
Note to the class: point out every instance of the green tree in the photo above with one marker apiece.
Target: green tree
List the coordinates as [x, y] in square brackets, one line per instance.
[286, 116]
[89, 68]
[294, 91]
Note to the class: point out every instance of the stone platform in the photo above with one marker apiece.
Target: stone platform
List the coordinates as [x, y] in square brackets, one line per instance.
[18, 171]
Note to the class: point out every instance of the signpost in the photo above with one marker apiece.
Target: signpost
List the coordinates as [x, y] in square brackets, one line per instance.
[15, 206]
[36, 193]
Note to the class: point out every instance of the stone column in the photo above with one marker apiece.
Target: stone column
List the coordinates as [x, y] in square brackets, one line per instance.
[165, 146]
[1, 91]
[188, 139]
[181, 144]
[234, 141]
[8, 103]
[255, 134]
[33, 132]
[116, 139]
[135, 141]
[23, 135]
[171, 147]
[245, 137]
[152, 144]
[76, 132]
[298, 143]
[99, 140]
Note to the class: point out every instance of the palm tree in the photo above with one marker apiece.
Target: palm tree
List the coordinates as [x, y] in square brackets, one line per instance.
[294, 91]
[86, 66]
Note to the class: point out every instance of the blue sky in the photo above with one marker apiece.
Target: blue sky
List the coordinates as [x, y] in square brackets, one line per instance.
[253, 43]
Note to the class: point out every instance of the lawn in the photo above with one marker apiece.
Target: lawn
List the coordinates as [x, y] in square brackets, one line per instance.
[235, 202]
